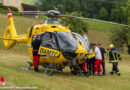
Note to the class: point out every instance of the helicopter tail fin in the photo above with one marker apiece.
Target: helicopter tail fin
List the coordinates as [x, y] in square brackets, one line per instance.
[10, 37]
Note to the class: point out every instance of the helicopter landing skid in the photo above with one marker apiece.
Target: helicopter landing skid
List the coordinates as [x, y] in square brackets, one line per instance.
[49, 68]
[80, 70]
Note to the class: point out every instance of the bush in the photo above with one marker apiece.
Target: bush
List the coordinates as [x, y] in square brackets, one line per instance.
[4, 8]
[121, 38]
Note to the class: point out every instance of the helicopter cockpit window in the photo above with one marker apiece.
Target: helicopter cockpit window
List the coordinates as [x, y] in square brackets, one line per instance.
[81, 40]
[49, 40]
[67, 42]
[52, 22]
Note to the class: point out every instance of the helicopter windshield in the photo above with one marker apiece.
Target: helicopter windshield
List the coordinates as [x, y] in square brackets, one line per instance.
[52, 22]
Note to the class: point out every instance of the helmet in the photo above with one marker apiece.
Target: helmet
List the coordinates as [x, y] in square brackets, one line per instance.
[111, 46]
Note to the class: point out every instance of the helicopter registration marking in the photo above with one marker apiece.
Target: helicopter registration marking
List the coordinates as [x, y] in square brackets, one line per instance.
[48, 52]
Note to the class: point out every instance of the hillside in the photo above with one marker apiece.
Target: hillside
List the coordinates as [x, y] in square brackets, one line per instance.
[30, 2]
[12, 59]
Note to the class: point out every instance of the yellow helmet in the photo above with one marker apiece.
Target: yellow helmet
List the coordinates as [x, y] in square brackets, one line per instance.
[111, 46]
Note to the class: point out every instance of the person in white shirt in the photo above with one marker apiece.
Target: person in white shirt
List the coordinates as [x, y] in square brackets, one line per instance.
[98, 61]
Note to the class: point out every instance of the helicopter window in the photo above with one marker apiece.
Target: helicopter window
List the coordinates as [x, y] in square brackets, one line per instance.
[8, 2]
[1, 1]
[52, 22]
[49, 41]
[81, 40]
[67, 42]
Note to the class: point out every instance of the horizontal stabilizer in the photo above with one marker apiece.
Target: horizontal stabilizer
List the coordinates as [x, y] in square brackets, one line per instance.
[7, 39]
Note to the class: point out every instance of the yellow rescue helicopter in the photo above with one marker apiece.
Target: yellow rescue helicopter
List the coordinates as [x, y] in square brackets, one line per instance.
[65, 49]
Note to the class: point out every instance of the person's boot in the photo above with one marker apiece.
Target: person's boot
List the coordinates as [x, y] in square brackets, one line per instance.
[118, 74]
[96, 74]
[111, 73]
[100, 74]
[74, 73]
[36, 70]
[88, 74]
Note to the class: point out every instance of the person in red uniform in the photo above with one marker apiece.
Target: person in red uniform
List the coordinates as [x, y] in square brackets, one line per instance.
[103, 52]
[98, 61]
[35, 45]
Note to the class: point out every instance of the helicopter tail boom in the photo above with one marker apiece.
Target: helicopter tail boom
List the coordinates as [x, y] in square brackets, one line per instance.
[10, 37]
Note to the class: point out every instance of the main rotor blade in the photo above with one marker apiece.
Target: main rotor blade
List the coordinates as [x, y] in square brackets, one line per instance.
[94, 20]
[33, 12]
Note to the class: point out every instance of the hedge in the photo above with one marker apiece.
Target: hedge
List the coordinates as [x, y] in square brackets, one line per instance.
[4, 8]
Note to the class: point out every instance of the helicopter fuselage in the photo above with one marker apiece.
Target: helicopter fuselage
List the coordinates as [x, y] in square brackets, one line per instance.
[54, 56]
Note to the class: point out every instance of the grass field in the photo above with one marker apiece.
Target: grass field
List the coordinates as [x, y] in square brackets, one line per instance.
[12, 59]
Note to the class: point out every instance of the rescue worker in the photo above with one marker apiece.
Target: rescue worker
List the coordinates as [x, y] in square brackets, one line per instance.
[90, 61]
[82, 66]
[103, 52]
[98, 61]
[114, 56]
[35, 45]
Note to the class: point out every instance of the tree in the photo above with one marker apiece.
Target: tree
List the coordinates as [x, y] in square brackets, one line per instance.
[70, 5]
[51, 5]
[116, 15]
[103, 14]
[121, 38]
[76, 25]
[126, 12]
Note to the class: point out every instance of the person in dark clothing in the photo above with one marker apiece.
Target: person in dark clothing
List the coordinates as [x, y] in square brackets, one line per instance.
[103, 52]
[114, 56]
[91, 65]
[90, 62]
[35, 45]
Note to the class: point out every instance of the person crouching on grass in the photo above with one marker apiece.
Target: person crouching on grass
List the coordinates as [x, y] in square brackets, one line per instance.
[35, 45]
[98, 61]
